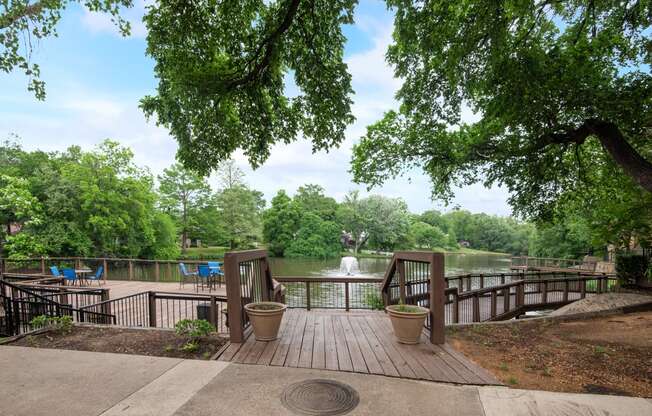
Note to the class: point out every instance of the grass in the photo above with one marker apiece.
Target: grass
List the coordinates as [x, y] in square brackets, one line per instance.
[512, 381]
[461, 250]
[203, 253]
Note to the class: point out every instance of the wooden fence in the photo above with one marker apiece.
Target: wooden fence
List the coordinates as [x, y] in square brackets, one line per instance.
[114, 268]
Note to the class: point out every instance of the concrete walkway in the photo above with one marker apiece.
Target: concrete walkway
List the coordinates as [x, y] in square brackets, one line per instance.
[57, 382]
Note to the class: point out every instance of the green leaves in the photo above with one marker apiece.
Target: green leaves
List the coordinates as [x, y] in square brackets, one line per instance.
[539, 76]
[224, 69]
[35, 20]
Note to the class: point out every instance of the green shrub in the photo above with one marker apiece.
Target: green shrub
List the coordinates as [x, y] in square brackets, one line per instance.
[374, 301]
[61, 324]
[194, 328]
[631, 267]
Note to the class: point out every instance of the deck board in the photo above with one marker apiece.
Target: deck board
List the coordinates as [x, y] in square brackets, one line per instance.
[357, 359]
[343, 355]
[330, 346]
[357, 342]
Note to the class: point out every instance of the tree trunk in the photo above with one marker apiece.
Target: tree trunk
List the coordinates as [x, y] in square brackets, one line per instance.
[623, 153]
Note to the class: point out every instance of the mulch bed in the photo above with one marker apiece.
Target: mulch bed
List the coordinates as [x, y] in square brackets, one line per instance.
[604, 355]
[158, 343]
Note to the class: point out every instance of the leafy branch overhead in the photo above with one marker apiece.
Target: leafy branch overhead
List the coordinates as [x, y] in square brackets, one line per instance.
[561, 90]
[248, 75]
[24, 22]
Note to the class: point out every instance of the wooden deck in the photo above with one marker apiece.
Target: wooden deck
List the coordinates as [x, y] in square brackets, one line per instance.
[360, 342]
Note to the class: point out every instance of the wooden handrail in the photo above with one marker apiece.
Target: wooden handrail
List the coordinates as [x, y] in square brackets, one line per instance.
[327, 279]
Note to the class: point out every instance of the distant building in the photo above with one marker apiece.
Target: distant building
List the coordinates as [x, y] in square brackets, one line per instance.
[464, 243]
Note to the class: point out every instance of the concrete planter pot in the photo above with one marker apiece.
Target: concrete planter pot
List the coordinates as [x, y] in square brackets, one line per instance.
[407, 322]
[265, 318]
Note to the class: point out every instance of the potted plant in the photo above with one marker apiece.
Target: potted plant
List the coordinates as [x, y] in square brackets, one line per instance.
[407, 321]
[265, 318]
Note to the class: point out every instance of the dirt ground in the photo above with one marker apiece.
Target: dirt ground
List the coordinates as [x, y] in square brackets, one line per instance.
[606, 355]
[126, 341]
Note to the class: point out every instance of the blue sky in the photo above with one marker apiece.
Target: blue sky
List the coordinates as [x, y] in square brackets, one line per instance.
[95, 78]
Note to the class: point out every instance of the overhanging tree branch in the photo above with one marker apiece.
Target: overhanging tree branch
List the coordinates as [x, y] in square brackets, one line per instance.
[14, 14]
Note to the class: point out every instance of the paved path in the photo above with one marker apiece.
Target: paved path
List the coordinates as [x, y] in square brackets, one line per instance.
[57, 382]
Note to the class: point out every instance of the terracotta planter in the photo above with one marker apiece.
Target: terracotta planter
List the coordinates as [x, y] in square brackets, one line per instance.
[265, 318]
[407, 321]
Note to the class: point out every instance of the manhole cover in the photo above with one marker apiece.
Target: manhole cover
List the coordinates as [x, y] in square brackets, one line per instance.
[320, 398]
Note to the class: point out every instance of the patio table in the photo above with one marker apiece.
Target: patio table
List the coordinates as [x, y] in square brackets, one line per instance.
[82, 273]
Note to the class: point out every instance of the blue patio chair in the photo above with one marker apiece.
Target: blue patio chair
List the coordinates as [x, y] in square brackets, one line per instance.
[216, 270]
[185, 274]
[55, 271]
[204, 273]
[70, 275]
[97, 276]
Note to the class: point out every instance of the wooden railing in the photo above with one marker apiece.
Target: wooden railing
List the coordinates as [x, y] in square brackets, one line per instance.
[345, 292]
[114, 268]
[513, 299]
[417, 278]
[248, 279]
[551, 262]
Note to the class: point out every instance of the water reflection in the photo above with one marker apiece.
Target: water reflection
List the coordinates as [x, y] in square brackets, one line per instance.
[454, 264]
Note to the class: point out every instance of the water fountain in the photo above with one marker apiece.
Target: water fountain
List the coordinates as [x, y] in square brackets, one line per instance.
[349, 266]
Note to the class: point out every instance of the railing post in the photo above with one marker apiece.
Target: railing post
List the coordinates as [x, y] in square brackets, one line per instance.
[456, 308]
[521, 299]
[157, 271]
[307, 295]
[481, 281]
[265, 276]
[468, 282]
[105, 264]
[494, 301]
[566, 284]
[346, 296]
[506, 299]
[212, 316]
[131, 270]
[437, 307]
[476, 308]
[502, 278]
[544, 292]
[582, 288]
[106, 307]
[42, 265]
[400, 266]
[234, 297]
[152, 309]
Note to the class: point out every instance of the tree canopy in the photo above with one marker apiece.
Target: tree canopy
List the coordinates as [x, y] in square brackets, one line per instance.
[549, 82]
[223, 70]
[556, 87]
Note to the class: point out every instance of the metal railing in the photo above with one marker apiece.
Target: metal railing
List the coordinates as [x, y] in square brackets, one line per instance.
[164, 309]
[20, 304]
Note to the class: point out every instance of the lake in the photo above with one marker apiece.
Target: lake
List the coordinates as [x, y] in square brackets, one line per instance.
[454, 264]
